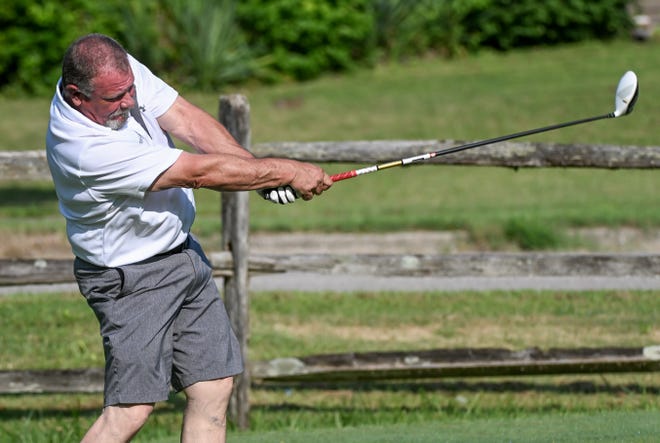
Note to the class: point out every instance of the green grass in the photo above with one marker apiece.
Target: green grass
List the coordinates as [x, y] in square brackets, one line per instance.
[607, 409]
[610, 426]
[492, 204]
[25, 123]
[469, 198]
[620, 426]
[463, 99]
[59, 331]
[62, 327]
[467, 98]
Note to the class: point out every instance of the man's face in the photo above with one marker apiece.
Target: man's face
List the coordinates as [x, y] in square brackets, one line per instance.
[110, 103]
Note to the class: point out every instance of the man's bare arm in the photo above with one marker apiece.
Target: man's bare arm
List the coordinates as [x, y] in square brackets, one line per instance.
[199, 129]
[226, 172]
[222, 164]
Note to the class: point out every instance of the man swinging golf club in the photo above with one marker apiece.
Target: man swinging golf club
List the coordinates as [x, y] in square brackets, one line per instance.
[126, 194]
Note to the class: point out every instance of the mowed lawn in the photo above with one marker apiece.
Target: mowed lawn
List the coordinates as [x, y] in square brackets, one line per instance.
[470, 99]
[467, 98]
[613, 426]
[59, 331]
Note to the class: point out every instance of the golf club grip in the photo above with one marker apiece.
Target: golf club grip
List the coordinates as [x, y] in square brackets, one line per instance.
[343, 176]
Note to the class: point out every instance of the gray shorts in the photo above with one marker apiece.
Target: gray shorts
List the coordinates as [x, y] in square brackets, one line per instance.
[163, 325]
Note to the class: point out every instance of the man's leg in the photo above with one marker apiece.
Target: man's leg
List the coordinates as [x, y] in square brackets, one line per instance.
[204, 419]
[118, 424]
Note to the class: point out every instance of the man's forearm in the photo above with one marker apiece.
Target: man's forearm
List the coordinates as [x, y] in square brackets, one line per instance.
[225, 173]
[246, 174]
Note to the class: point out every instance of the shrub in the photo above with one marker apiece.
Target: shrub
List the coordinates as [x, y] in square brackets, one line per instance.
[205, 44]
[35, 35]
[141, 35]
[306, 38]
[394, 25]
[451, 26]
[193, 43]
[506, 24]
[532, 235]
[412, 27]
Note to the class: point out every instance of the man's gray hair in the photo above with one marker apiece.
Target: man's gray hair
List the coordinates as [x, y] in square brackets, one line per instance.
[90, 56]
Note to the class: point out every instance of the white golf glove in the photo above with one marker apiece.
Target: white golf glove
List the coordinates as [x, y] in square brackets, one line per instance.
[282, 195]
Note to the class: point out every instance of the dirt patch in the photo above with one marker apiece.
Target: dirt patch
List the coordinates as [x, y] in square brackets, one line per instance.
[518, 333]
[441, 242]
[438, 242]
[47, 245]
[399, 334]
[619, 240]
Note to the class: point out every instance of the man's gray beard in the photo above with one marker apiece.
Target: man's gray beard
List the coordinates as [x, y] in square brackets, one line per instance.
[116, 124]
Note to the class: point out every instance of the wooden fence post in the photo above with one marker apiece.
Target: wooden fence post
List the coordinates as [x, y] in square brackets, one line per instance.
[234, 114]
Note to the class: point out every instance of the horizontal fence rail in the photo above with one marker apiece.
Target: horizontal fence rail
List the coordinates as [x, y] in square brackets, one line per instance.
[439, 363]
[457, 264]
[32, 165]
[377, 366]
[43, 271]
[24, 165]
[509, 154]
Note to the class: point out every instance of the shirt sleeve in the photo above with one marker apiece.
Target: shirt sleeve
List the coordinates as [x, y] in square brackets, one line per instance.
[154, 95]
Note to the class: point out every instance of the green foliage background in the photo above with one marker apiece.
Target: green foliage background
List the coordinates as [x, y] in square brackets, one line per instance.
[307, 38]
[205, 45]
[33, 36]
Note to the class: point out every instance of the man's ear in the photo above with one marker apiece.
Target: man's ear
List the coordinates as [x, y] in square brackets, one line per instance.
[75, 96]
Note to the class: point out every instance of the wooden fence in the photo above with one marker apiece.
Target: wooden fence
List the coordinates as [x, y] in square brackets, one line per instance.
[235, 263]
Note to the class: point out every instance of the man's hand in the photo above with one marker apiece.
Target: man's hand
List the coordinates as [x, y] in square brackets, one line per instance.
[281, 195]
[309, 180]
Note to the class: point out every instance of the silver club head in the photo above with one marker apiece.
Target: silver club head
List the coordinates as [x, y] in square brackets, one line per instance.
[626, 94]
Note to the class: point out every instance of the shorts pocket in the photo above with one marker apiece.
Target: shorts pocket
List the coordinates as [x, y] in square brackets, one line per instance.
[100, 289]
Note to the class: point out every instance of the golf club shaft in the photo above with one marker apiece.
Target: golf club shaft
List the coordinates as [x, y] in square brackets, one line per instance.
[423, 157]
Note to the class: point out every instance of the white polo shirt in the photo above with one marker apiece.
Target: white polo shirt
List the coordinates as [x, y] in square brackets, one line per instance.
[102, 175]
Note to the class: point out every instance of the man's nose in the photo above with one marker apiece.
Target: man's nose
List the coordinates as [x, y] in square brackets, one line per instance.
[127, 102]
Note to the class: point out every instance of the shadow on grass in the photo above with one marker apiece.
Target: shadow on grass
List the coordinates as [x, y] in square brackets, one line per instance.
[175, 403]
[19, 195]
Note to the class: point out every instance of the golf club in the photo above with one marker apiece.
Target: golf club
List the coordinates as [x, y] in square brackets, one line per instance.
[624, 101]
